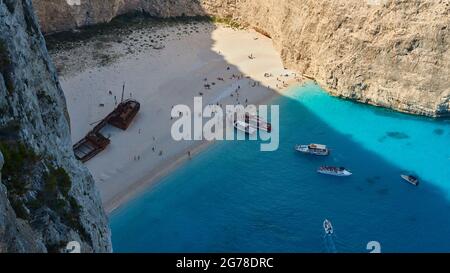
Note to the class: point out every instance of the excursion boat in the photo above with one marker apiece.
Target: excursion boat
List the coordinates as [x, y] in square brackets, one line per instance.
[411, 179]
[335, 171]
[244, 127]
[261, 124]
[314, 149]
[328, 227]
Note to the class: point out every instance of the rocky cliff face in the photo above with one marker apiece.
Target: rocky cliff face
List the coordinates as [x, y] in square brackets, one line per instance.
[47, 198]
[391, 53]
[387, 53]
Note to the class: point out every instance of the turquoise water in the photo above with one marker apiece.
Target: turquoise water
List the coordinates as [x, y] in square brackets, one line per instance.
[233, 198]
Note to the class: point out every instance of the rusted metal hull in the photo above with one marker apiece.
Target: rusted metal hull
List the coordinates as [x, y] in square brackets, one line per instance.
[94, 142]
[90, 146]
[124, 114]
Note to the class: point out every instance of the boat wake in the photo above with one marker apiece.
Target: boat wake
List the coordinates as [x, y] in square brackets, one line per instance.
[332, 243]
[330, 246]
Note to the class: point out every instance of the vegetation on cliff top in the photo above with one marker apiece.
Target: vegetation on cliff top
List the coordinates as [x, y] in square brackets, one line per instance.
[227, 21]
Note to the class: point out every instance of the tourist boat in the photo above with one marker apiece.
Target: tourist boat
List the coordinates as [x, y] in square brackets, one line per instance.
[261, 124]
[314, 149]
[244, 127]
[411, 179]
[335, 171]
[327, 227]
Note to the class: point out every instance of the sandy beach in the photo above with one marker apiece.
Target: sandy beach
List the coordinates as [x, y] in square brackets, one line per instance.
[161, 67]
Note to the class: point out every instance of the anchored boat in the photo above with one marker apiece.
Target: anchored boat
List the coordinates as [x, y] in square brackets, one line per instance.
[411, 179]
[335, 171]
[244, 127]
[327, 226]
[261, 124]
[314, 149]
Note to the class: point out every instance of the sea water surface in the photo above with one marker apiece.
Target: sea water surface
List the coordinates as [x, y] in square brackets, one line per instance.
[234, 198]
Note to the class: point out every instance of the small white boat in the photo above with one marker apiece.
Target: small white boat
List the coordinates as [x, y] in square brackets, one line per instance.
[335, 171]
[328, 227]
[411, 179]
[244, 127]
[314, 149]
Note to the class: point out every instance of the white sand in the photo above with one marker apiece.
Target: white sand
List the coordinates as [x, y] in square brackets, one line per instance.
[159, 79]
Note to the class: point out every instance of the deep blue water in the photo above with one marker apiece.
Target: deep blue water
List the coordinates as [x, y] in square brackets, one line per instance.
[234, 198]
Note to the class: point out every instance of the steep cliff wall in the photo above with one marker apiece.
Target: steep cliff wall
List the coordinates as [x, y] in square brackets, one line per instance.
[47, 198]
[388, 53]
[391, 53]
[59, 15]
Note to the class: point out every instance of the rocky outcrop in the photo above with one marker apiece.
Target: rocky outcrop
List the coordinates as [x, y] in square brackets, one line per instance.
[47, 198]
[15, 234]
[391, 53]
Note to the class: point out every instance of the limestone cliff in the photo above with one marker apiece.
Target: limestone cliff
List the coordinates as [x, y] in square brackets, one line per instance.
[391, 53]
[47, 198]
[394, 53]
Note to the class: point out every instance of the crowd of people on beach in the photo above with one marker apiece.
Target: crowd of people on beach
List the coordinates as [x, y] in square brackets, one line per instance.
[281, 82]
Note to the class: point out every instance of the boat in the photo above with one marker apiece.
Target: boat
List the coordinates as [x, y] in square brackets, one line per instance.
[328, 227]
[335, 171]
[411, 179]
[261, 124]
[94, 142]
[90, 146]
[314, 149]
[244, 127]
[124, 114]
